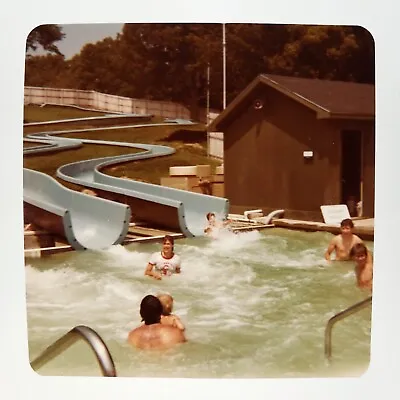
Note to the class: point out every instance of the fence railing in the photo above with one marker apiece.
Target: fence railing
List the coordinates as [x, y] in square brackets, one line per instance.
[215, 145]
[105, 102]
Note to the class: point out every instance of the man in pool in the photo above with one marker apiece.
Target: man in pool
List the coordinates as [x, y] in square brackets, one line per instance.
[152, 334]
[343, 242]
[364, 266]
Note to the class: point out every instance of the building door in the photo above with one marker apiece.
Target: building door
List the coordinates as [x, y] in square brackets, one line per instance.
[351, 169]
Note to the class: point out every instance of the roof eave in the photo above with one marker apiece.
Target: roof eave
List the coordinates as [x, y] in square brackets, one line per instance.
[216, 124]
[330, 115]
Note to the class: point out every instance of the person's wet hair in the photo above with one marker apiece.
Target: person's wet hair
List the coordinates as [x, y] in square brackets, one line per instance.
[151, 309]
[209, 215]
[347, 222]
[358, 249]
[168, 238]
[167, 303]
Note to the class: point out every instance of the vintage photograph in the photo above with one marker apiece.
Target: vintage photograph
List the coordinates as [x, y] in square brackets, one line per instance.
[199, 199]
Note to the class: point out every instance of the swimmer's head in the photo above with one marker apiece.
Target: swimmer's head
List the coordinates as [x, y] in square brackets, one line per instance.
[210, 215]
[346, 226]
[347, 222]
[168, 243]
[359, 252]
[167, 302]
[151, 310]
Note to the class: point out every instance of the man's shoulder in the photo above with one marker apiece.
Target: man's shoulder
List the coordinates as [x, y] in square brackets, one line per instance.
[172, 333]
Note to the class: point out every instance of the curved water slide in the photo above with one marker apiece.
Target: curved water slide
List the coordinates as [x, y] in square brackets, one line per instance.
[163, 206]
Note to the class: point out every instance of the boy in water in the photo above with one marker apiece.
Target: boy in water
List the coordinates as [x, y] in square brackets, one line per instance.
[214, 226]
[167, 318]
[364, 266]
[343, 242]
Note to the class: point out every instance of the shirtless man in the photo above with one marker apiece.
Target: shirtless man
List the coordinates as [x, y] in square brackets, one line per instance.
[167, 317]
[364, 266]
[152, 334]
[343, 242]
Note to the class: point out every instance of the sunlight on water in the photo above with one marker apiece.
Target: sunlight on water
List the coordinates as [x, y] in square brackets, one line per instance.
[254, 304]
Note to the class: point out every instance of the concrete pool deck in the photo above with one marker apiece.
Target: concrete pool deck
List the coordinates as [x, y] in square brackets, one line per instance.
[363, 227]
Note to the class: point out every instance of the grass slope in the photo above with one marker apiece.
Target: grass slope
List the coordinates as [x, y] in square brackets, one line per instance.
[190, 144]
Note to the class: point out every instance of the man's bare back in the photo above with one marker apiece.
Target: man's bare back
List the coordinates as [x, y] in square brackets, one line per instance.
[156, 336]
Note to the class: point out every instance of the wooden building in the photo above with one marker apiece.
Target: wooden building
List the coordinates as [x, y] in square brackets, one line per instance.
[296, 144]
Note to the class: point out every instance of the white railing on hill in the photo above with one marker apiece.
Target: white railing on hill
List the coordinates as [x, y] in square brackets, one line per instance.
[104, 102]
[215, 145]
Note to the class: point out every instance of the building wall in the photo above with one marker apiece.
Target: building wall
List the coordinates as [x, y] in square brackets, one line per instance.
[264, 163]
[368, 160]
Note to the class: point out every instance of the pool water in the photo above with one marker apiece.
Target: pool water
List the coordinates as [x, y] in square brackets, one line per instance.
[255, 305]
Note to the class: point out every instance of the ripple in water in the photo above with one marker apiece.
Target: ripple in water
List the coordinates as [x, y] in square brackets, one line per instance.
[254, 304]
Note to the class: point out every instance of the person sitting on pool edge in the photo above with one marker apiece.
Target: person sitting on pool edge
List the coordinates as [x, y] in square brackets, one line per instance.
[343, 242]
[364, 265]
[167, 317]
[165, 262]
[153, 334]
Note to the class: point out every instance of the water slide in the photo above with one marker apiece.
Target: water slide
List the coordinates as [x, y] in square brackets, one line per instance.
[99, 222]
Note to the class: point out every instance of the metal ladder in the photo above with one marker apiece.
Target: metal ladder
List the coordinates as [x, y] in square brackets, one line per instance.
[91, 337]
[339, 316]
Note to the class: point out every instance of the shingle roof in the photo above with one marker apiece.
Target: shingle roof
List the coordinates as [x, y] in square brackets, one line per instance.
[335, 97]
[329, 99]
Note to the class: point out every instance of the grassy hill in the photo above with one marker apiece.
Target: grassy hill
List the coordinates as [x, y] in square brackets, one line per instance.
[190, 143]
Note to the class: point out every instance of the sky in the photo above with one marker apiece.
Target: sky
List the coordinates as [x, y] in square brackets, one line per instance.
[77, 35]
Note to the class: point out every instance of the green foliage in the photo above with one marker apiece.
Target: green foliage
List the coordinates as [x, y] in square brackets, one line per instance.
[45, 36]
[170, 61]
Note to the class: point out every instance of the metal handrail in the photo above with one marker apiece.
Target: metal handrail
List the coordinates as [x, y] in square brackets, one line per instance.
[91, 337]
[339, 316]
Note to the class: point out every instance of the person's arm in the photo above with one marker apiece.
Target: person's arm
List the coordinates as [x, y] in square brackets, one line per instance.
[330, 249]
[178, 323]
[178, 266]
[368, 276]
[149, 271]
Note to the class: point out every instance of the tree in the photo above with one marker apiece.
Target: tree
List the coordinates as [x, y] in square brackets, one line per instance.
[173, 60]
[170, 61]
[50, 70]
[325, 52]
[97, 67]
[45, 36]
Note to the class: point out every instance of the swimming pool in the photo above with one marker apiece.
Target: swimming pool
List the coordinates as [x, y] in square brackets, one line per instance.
[255, 305]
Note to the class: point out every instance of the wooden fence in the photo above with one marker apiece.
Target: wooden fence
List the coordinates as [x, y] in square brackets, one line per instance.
[105, 102]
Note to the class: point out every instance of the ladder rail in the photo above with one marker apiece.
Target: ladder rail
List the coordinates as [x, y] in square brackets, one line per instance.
[80, 332]
[338, 317]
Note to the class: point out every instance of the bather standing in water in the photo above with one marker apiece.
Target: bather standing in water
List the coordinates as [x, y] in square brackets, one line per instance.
[152, 334]
[364, 266]
[343, 242]
[164, 263]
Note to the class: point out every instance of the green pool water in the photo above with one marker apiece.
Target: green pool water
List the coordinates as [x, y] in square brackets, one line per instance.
[255, 305]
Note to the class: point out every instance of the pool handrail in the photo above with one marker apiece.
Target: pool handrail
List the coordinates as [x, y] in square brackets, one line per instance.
[338, 317]
[91, 337]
